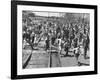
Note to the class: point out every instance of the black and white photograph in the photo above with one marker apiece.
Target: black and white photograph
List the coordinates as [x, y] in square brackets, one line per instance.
[53, 39]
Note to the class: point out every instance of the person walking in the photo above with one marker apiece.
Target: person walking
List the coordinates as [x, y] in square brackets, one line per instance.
[47, 43]
[66, 48]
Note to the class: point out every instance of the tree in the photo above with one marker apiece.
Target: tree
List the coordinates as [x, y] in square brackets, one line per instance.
[70, 17]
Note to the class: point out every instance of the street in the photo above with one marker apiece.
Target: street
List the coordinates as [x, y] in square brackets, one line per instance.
[43, 59]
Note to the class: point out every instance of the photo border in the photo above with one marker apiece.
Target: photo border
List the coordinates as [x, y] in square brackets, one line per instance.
[14, 4]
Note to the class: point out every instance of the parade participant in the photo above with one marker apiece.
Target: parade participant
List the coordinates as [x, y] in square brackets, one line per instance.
[77, 54]
[53, 39]
[58, 42]
[86, 46]
[33, 37]
[75, 42]
[24, 35]
[47, 43]
[88, 41]
[80, 37]
[66, 34]
[66, 48]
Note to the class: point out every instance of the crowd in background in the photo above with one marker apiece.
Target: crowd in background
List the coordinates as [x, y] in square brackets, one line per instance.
[63, 36]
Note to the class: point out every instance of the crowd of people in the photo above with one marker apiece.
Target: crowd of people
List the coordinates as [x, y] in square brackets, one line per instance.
[60, 36]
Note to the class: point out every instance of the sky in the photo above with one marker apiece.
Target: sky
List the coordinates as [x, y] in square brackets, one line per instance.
[49, 14]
